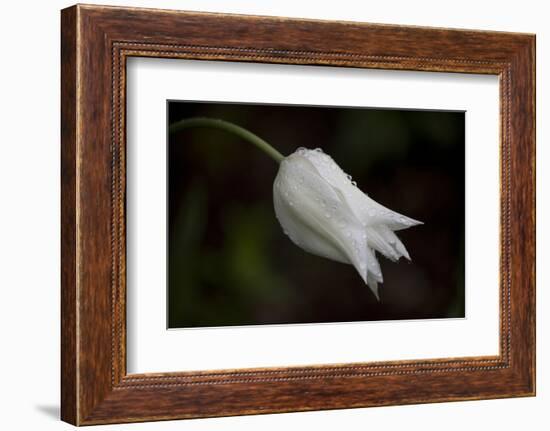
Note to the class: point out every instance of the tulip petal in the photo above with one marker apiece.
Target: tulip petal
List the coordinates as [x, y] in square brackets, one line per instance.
[301, 233]
[382, 239]
[303, 195]
[372, 283]
[365, 208]
[382, 220]
[374, 213]
[372, 265]
[374, 270]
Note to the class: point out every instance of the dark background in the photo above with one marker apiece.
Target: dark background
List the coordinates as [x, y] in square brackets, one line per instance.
[229, 262]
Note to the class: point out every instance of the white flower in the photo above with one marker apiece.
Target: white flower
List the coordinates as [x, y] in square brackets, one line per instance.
[324, 213]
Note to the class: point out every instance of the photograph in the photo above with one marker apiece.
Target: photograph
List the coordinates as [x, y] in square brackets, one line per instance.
[295, 214]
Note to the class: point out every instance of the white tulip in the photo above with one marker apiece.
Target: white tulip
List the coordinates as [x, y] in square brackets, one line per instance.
[322, 210]
[324, 213]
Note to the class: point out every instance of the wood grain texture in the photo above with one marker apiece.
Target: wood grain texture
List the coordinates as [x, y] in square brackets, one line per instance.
[96, 41]
[69, 397]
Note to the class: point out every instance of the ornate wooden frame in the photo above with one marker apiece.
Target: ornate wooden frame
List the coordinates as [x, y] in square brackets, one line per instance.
[95, 43]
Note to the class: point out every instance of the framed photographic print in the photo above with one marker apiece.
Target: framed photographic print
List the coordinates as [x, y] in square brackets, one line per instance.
[265, 215]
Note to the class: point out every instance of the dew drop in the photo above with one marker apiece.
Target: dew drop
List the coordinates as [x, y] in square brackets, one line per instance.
[354, 183]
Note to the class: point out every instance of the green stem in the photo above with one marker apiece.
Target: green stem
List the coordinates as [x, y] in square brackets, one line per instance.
[228, 127]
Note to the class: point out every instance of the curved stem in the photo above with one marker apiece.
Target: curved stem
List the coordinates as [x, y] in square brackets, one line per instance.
[228, 127]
